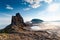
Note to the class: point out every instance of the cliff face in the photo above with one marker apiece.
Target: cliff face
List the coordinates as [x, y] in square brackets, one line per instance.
[17, 23]
[17, 19]
[16, 31]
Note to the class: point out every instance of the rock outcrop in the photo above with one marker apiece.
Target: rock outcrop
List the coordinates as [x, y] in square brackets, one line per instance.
[16, 31]
[17, 19]
[17, 22]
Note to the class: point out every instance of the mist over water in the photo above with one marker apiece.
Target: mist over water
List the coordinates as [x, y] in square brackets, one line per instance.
[51, 27]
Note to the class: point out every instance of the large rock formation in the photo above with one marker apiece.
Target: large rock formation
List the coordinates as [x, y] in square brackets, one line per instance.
[17, 22]
[17, 19]
[16, 31]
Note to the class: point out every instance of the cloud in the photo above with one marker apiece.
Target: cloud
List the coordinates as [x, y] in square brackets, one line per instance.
[34, 3]
[26, 9]
[53, 7]
[48, 1]
[37, 3]
[29, 1]
[26, 18]
[9, 7]
[51, 13]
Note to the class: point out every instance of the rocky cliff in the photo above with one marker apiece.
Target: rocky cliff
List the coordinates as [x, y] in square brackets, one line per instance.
[17, 19]
[17, 22]
[16, 31]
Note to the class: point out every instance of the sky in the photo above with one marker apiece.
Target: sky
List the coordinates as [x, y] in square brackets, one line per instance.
[47, 10]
